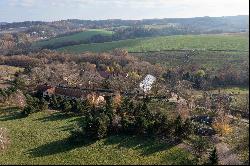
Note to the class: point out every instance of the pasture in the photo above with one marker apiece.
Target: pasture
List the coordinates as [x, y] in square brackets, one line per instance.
[222, 42]
[205, 59]
[41, 138]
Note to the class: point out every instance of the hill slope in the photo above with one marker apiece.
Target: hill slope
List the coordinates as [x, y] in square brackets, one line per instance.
[76, 37]
[237, 42]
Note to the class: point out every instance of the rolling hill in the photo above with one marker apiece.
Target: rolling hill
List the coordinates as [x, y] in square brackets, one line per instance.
[76, 37]
[237, 42]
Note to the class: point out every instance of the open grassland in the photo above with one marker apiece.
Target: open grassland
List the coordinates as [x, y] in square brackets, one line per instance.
[41, 138]
[236, 91]
[222, 42]
[85, 35]
[232, 90]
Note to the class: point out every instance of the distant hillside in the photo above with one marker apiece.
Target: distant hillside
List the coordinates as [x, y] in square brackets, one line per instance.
[87, 36]
[3, 23]
[198, 24]
[230, 42]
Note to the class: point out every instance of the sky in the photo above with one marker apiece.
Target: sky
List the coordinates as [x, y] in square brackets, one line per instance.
[52, 10]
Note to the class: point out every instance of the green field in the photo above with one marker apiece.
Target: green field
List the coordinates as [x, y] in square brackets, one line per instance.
[237, 42]
[41, 138]
[74, 37]
[206, 59]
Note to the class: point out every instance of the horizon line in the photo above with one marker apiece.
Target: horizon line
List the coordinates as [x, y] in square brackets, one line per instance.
[123, 19]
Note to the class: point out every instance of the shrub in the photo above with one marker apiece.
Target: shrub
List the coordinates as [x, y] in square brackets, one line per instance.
[34, 105]
[200, 146]
[128, 124]
[66, 106]
[213, 157]
[221, 125]
[27, 110]
[94, 127]
[102, 122]
[179, 129]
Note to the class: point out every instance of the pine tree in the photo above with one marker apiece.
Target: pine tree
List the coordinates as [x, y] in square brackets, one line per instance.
[213, 157]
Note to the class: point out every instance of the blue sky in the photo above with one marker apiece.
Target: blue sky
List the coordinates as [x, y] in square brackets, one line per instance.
[49, 10]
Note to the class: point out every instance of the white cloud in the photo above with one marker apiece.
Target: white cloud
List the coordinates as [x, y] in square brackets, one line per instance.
[124, 9]
[23, 3]
[134, 3]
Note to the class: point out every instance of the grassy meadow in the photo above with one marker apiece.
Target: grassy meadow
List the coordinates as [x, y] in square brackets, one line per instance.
[41, 138]
[222, 42]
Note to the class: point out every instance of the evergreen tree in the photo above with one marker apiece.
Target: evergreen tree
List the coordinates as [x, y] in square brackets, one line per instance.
[66, 106]
[178, 128]
[54, 102]
[43, 104]
[213, 157]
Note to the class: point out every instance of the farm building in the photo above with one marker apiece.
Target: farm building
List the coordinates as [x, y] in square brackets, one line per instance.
[70, 93]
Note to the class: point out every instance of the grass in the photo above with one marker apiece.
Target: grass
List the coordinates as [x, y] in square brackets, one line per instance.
[233, 90]
[41, 138]
[236, 91]
[74, 37]
[237, 42]
[205, 59]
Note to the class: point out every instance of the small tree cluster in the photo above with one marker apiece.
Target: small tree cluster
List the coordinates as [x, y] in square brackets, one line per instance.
[67, 105]
[34, 104]
[5, 93]
[131, 118]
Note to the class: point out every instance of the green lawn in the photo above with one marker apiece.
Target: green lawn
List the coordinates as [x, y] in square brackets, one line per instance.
[74, 37]
[41, 138]
[237, 42]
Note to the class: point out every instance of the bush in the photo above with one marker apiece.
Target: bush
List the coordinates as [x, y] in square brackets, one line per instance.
[94, 127]
[182, 129]
[27, 110]
[66, 106]
[200, 146]
[221, 125]
[128, 124]
[34, 105]
[213, 157]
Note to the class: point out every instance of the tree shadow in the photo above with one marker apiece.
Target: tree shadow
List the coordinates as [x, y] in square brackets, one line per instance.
[72, 125]
[147, 146]
[56, 147]
[10, 113]
[66, 128]
[178, 157]
[55, 117]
